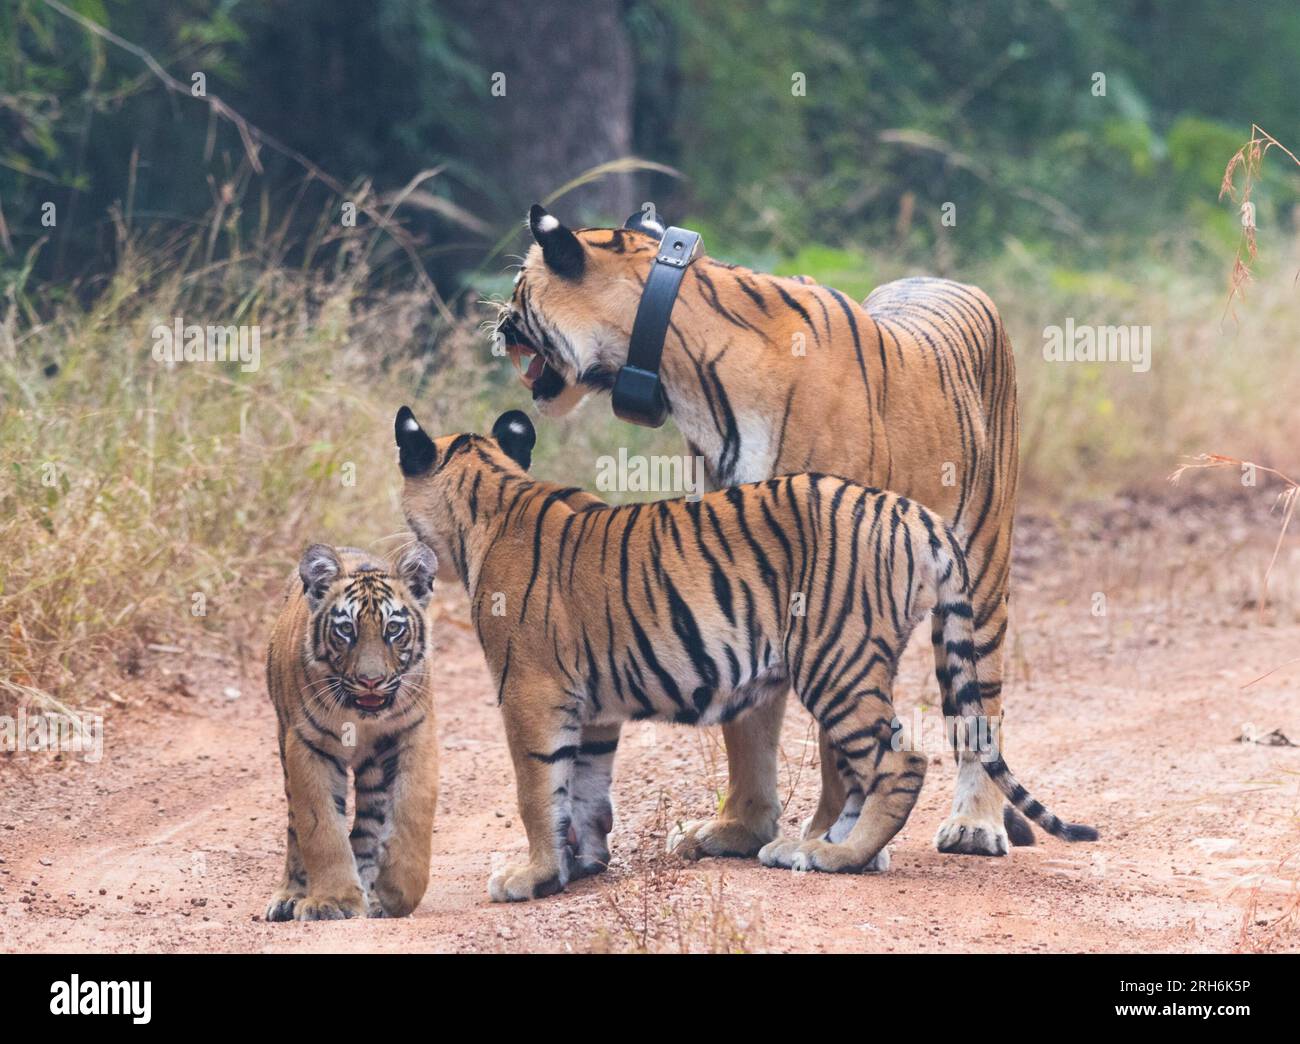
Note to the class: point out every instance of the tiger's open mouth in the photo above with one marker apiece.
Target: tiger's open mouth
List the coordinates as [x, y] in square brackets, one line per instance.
[369, 701]
[536, 365]
[535, 373]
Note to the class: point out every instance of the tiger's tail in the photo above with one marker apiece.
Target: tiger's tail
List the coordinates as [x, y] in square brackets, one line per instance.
[953, 608]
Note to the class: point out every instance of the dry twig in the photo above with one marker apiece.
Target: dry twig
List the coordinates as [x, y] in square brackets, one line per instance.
[1249, 160]
[1286, 500]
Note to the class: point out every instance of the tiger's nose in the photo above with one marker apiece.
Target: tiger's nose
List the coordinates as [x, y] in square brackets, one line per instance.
[370, 681]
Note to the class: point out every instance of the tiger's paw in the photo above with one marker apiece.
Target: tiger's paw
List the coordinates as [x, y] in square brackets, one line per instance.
[389, 901]
[588, 844]
[966, 835]
[399, 888]
[717, 837]
[330, 907]
[282, 904]
[523, 881]
[821, 855]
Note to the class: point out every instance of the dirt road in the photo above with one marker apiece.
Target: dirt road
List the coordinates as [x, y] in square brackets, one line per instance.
[1128, 720]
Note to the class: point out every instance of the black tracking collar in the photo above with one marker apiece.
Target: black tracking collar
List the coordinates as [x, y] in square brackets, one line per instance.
[638, 390]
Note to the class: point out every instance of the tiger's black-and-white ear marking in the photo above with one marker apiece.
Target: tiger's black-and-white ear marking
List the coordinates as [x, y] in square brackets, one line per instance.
[560, 247]
[415, 452]
[516, 435]
[417, 566]
[318, 569]
[641, 222]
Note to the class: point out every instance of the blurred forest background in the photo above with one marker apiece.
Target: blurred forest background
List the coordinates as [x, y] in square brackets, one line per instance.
[1081, 143]
[906, 105]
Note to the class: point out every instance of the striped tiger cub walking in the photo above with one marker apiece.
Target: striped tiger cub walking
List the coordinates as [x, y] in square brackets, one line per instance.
[691, 612]
[347, 669]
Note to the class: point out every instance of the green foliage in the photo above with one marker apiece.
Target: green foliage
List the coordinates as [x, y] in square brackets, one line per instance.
[796, 122]
[999, 107]
[1133, 144]
[1196, 150]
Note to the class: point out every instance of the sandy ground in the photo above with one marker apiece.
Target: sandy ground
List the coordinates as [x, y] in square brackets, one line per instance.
[1128, 720]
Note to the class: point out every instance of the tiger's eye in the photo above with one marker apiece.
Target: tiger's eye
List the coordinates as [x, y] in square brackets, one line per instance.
[395, 628]
[345, 630]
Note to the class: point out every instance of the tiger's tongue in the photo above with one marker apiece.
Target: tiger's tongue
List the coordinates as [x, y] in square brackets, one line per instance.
[535, 367]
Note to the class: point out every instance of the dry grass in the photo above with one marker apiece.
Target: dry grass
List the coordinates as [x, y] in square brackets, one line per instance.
[1247, 163]
[1270, 921]
[146, 502]
[1089, 429]
[1286, 500]
[668, 906]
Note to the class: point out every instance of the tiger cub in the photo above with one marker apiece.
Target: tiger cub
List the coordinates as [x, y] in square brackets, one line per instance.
[693, 611]
[347, 669]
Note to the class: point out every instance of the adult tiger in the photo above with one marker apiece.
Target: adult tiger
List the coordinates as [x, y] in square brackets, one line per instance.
[347, 669]
[913, 391]
[718, 607]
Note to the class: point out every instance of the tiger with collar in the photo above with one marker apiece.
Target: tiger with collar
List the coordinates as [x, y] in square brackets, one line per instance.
[696, 612]
[913, 390]
[347, 669]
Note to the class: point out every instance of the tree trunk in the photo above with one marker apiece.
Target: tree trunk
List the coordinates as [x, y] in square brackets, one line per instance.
[567, 106]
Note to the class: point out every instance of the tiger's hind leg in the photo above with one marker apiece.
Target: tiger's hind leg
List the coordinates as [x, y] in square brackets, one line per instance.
[854, 797]
[888, 776]
[543, 733]
[593, 809]
[835, 791]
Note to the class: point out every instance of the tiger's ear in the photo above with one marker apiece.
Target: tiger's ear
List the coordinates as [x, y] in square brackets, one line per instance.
[516, 435]
[560, 248]
[417, 566]
[415, 452]
[645, 221]
[318, 569]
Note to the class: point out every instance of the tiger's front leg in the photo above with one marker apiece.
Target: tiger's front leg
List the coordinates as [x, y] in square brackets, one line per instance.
[373, 820]
[593, 809]
[404, 859]
[749, 818]
[318, 795]
[543, 734]
[293, 882]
